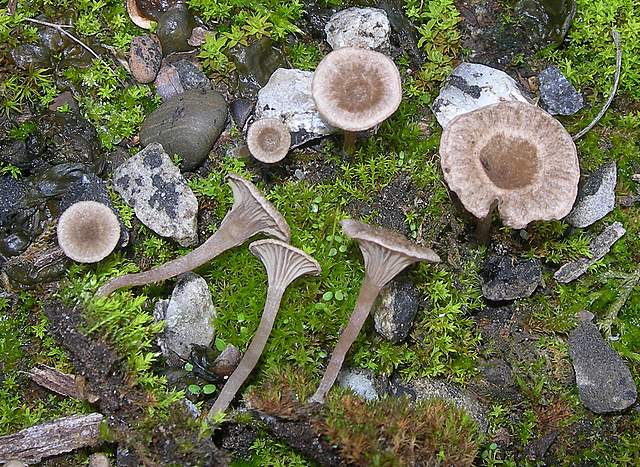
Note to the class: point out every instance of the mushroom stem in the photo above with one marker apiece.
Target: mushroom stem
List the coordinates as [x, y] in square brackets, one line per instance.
[252, 355]
[349, 142]
[284, 264]
[483, 228]
[366, 298]
[249, 215]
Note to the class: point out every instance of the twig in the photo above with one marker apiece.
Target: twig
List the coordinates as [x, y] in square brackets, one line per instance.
[616, 80]
[630, 283]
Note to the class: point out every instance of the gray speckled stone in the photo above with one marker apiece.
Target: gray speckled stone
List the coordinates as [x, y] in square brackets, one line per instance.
[558, 95]
[604, 381]
[367, 28]
[505, 278]
[159, 194]
[599, 247]
[472, 86]
[188, 317]
[596, 197]
[395, 310]
[361, 382]
[187, 124]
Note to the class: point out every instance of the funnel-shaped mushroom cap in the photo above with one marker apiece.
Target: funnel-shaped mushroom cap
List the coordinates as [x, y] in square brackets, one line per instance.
[88, 231]
[355, 89]
[269, 140]
[262, 216]
[283, 262]
[385, 252]
[513, 153]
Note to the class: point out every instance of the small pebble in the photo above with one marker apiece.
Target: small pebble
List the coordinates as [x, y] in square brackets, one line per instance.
[145, 58]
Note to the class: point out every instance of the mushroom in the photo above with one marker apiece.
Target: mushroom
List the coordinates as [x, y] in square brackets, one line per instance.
[513, 156]
[385, 254]
[143, 12]
[284, 264]
[269, 140]
[356, 89]
[250, 214]
[88, 231]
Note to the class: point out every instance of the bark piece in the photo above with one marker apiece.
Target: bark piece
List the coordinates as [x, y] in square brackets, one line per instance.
[61, 383]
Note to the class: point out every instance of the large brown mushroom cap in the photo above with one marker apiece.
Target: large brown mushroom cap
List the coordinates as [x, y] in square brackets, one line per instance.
[88, 231]
[515, 154]
[269, 140]
[356, 89]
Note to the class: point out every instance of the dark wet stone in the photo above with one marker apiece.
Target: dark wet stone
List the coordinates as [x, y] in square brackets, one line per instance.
[546, 21]
[596, 197]
[15, 153]
[505, 278]
[396, 309]
[167, 82]
[52, 39]
[537, 448]
[174, 29]
[145, 58]
[496, 379]
[31, 55]
[404, 35]
[11, 193]
[255, 63]
[154, 8]
[604, 380]
[191, 77]
[42, 262]
[188, 124]
[241, 110]
[558, 95]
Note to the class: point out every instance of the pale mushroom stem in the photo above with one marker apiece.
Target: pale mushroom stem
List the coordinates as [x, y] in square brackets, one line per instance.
[366, 298]
[483, 226]
[252, 355]
[349, 142]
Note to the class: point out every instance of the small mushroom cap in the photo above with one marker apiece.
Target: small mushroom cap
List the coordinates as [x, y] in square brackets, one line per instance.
[88, 231]
[263, 214]
[356, 89]
[269, 140]
[385, 252]
[515, 154]
[283, 262]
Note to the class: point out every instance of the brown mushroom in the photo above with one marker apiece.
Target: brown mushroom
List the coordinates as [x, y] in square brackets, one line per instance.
[141, 13]
[250, 214]
[269, 140]
[356, 89]
[512, 155]
[284, 264]
[385, 254]
[88, 231]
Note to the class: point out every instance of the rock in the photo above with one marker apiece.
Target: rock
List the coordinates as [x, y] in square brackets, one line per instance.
[496, 380]
[159, 194]
[404, 34]
[99, 460]
[191, 77]
[505, 278]
[596, 197]
[367, 28]
[145, 58]
[187, 124]
[227, 361]
[558, 95]
[241, 110]
[287, 96]
[599, 247]
[420, 389]
[255, 63]
[361, 382]
[174, 29]
[31, 55]
[167, 82]
[545, 21]
[472, 86]
[188, 318]
[12, 191]
[604, 381]
[396, 309]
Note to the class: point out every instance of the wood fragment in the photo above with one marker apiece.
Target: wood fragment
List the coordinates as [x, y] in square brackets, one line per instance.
[31, 445]
[61, 383]
[616, 80]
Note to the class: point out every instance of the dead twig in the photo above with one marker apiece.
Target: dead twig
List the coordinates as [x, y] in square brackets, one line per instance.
[61, 383]
[616, 80]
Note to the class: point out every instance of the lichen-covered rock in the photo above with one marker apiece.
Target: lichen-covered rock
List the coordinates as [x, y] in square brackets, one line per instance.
[145, 58]
[472, 86]
[596, 197]
[604, 381]
[159, 194]
[362, 382]
[505, 278]
[187, 124]
[188, 318]
[367, 28]
[287, 96]
[395, 310]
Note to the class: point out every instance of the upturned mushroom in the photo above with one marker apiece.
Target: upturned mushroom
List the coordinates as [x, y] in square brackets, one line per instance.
[284, 264]
[268, 140]
[143, 12]
[513, 156]
[88, 231]
[250, 214]
[385, 254]
[356, 89]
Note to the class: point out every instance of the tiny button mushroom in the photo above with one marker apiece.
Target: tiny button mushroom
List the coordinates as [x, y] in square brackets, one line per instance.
[269, 140]
[356, 89]
[88, 231]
